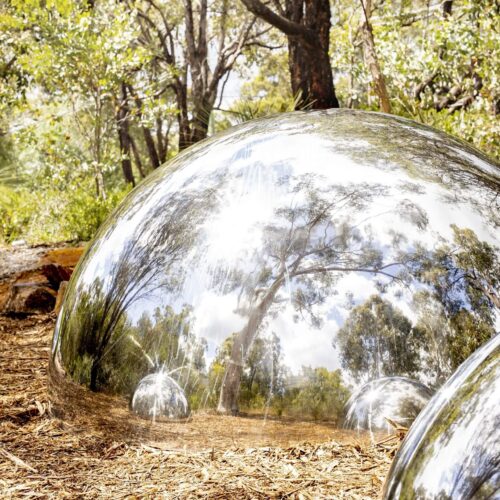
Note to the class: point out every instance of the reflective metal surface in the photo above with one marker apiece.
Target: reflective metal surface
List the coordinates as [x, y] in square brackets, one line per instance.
[159, 397]
[273, 269]
[453, 448]
[396, 398]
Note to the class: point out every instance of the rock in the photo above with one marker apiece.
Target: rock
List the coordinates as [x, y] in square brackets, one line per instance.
[31, 277]
[56, 274]
[28, 298]
[65, 256]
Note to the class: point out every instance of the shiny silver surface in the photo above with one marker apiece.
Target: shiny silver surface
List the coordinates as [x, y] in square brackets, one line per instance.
[453, 448]
[158, 397]
[278, 266]
[398, 399]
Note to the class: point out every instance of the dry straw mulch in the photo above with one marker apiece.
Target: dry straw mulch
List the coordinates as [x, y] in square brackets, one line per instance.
[42, 456]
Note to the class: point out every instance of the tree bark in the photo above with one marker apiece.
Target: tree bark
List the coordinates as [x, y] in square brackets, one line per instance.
[447, 7]
[372, 59]
[124, 137]
[307, 25]
[228, 398]
[137, 158]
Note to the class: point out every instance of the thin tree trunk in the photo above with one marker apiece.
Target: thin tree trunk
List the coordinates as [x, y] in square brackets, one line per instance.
[183, 120]
[99, 179]
[137, 157]
[372, 60]
[124, 137]
[447, 7]
[148, 136]
[228, 398]
[150, 146]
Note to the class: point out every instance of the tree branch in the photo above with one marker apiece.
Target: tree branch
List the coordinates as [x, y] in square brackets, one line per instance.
[280, 22]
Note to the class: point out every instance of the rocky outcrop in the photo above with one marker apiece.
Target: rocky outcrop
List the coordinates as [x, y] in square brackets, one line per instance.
[31, 278]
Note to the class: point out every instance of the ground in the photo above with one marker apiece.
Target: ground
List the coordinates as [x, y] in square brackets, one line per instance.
[213, 457]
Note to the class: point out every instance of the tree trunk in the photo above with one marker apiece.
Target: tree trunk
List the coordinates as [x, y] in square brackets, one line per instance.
[309, 60]
[183, 119]
[203, 110]
[311, 77]
[447, 8]
[137, 157]
[124, 137]
[372, 60]
[150, 145]
[307, 25]
[228, 398]
[94, 369]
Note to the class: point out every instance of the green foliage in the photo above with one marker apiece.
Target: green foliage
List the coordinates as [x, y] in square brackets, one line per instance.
[378, 340]
[440, 70]
[16, 212]
[322, 395]
[84, 213]
[456, 311]
[53, 215]
[464, 276]
[470, 333]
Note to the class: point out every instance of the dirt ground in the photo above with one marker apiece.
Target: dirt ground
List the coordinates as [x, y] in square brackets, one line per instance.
[42, 456]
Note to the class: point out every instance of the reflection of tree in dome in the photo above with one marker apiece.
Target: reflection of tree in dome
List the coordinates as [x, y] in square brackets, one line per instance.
[452, 449]
[377, 340]
[161, 342]
[263, 376]
[267, 383]
[99, 320]
[464, 277]
[435, 329]
[321, 394]
[455, 316]
[307, 248]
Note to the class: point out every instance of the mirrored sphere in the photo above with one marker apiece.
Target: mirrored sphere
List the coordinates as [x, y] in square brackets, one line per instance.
[274, 268]
[158, 397]
[453, 448]
[398, 399]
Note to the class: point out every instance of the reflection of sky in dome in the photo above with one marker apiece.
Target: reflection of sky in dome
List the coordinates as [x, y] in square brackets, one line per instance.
[397, 398]
[251, 192]
[453, 448]
[300, 226]
[462, 441]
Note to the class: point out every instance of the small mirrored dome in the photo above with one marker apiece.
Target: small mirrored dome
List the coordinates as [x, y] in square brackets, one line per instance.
[452, 450]
[389, 399]
[159, 397]
[273, 269]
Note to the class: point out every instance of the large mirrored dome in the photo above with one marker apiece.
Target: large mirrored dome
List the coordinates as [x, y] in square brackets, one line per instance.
[452, 451]
[273, 269]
